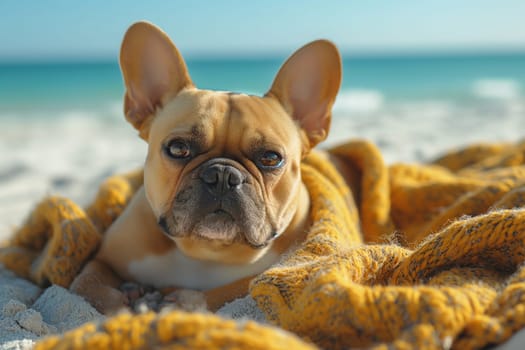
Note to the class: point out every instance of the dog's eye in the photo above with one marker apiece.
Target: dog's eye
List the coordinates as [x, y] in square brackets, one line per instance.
[178, 149]
[270, 160]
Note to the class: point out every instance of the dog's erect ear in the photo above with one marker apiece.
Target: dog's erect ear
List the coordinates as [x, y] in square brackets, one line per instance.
[153, 71]
[306, 86]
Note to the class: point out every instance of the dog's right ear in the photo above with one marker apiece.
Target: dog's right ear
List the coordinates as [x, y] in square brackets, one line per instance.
[153, 70]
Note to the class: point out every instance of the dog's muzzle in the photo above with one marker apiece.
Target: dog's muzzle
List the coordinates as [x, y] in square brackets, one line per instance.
[219, 202]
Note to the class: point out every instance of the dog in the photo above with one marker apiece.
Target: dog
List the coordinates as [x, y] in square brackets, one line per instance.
[222, 198]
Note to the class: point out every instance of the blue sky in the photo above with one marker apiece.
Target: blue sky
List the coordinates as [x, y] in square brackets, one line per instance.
[93, 29]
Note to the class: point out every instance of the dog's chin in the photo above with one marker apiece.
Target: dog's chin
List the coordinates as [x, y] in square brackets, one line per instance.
[215, 250]
[215, 236]
[218, 226]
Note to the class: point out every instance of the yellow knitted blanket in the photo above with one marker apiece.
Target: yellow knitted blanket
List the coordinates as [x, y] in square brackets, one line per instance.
[431, 258]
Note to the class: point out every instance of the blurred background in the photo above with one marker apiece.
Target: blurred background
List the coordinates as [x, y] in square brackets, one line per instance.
[420, 77]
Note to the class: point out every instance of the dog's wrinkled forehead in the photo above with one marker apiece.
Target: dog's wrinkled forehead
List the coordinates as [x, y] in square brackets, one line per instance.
[224, 118]
[191, 109]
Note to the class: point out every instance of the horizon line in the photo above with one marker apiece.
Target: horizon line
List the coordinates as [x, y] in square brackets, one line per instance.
[264, 56]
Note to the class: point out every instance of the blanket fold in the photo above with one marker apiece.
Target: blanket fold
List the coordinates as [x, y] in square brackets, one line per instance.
[428, 257]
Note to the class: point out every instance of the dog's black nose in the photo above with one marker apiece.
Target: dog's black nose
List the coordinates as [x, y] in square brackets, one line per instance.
[221, 178]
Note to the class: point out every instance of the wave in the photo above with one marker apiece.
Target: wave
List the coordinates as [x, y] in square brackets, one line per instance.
[359, 100]
[420, 129]
[505, 89]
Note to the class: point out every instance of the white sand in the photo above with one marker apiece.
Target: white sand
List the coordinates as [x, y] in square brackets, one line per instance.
[28, 313]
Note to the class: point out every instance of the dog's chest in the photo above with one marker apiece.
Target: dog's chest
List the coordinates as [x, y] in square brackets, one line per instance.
[174, 269]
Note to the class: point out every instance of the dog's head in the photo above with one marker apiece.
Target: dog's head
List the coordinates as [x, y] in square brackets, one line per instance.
[222, 173]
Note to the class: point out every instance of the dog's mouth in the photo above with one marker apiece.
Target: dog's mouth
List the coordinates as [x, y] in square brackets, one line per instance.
[217, 225]
[222, 213]
[220, 226]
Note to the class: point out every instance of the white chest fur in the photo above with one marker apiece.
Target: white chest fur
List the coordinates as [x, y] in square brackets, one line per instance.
[175, 269]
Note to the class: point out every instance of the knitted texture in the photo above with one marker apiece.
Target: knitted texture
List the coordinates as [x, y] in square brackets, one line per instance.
[175, 330]
[429, 257]
[58, 236]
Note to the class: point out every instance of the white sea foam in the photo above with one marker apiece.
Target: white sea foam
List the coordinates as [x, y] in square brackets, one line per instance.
[418, 130]
[506, 89]
[359, 100]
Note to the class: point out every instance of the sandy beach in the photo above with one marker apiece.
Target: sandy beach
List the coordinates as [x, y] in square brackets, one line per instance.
[28, 313]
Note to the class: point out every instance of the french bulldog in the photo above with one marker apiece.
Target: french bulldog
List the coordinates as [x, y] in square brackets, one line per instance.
[222, 198]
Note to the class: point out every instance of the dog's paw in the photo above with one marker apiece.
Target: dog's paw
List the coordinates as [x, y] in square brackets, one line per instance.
[110, 301]
[185, 299]
[133, 291]
[149, 301]
[141, 298]
[107, 300]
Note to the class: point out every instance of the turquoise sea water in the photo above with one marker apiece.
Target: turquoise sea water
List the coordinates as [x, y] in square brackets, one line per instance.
[26, 86]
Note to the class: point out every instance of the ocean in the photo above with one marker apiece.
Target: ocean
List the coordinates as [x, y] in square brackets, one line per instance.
[63, 130]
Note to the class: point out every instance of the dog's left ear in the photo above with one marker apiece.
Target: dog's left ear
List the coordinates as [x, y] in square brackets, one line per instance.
[153, 71]
[306, 86]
